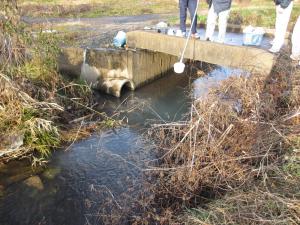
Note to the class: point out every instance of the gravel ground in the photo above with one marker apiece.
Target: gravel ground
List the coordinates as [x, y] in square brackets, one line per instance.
[96, 32]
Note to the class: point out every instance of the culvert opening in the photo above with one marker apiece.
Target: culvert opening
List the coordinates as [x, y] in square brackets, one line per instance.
[126, 87]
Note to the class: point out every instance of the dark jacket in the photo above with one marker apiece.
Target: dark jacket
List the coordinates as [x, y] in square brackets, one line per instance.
[283, 3]
[220, 5]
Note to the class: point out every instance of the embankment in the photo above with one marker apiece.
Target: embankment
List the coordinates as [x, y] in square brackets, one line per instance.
[236, 160]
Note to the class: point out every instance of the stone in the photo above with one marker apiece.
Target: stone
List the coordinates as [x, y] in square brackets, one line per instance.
[11, 143]
[16, 172]
[51, 172]
[34, 182]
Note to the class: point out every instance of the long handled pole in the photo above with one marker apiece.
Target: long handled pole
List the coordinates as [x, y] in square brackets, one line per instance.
[190, 33]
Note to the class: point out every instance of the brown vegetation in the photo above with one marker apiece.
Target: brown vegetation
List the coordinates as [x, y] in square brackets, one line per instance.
[37, 105]
[236, 138]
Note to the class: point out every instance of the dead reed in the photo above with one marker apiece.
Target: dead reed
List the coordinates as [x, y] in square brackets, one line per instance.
[226, 143]
[232, 139]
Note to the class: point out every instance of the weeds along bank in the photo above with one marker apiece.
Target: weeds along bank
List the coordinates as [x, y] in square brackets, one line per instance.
[36, 103]
[236, 159]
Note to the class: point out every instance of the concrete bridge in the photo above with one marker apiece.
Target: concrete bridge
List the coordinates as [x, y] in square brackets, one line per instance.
[149, 55]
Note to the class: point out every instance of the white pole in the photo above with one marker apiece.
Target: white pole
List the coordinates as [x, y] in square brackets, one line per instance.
[190, 33]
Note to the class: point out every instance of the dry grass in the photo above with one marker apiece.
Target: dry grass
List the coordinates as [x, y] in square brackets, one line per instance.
[272, 200]
[221, 148]
[19, 119]
[251, 207]
[96, 8]
[36, 103]
[235, 138]
[235, 160]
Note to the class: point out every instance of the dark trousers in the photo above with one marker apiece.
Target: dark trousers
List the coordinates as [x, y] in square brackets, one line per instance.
[191, 6]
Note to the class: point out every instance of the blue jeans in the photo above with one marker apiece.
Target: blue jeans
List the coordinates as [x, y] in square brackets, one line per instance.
[191, 6]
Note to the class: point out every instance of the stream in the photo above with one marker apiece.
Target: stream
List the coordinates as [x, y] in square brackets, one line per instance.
[91, 180]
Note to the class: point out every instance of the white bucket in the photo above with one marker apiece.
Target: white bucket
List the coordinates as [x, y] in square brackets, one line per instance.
[179, 67]
[253, 35]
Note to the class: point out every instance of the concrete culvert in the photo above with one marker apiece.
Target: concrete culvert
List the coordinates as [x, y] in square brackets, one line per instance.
[115, 86]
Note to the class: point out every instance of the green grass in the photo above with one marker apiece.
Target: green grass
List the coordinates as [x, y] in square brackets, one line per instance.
[259, 17]
[96, 8]
[42, 141]
[248, 15]
[256, 13]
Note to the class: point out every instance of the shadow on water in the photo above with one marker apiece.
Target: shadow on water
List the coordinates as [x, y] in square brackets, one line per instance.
[83, 184]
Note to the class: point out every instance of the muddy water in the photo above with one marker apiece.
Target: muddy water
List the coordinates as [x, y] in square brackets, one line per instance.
[89, 182]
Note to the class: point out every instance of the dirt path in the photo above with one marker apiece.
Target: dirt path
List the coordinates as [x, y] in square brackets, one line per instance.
[97, 32]
[101, 20]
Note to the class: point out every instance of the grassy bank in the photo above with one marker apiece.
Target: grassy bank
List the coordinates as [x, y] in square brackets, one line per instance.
[236, 160]
[261, 181]
[256, 13]
[39, 109]
[95, 8]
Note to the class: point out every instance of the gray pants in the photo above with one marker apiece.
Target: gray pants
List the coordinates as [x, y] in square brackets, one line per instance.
[191, 6]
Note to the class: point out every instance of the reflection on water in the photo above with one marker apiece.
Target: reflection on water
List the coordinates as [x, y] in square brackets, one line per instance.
[85, 183]
[213, 79]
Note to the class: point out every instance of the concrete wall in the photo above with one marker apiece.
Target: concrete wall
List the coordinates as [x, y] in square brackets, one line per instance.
[70, 61]
[248, 58]
[110, 70]
[146, 66]
[152, 55]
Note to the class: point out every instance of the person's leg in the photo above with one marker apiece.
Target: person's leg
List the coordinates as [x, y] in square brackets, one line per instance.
[211, 23]
[223, 18]
[296, 41]
[183, 4]
[192, 5]
[282, 20]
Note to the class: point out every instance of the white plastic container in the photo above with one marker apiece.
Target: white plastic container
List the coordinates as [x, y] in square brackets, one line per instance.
[120, 39]
[253, 35]
[179, 67]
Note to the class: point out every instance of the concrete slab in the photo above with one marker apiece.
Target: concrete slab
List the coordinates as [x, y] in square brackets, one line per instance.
[247, 58]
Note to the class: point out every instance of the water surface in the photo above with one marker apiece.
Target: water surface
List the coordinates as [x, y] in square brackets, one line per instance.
[90, 181]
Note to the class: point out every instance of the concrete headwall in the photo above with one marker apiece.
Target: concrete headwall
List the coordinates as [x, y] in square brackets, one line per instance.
[110, 70]
[145, 66]
[70, 61]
